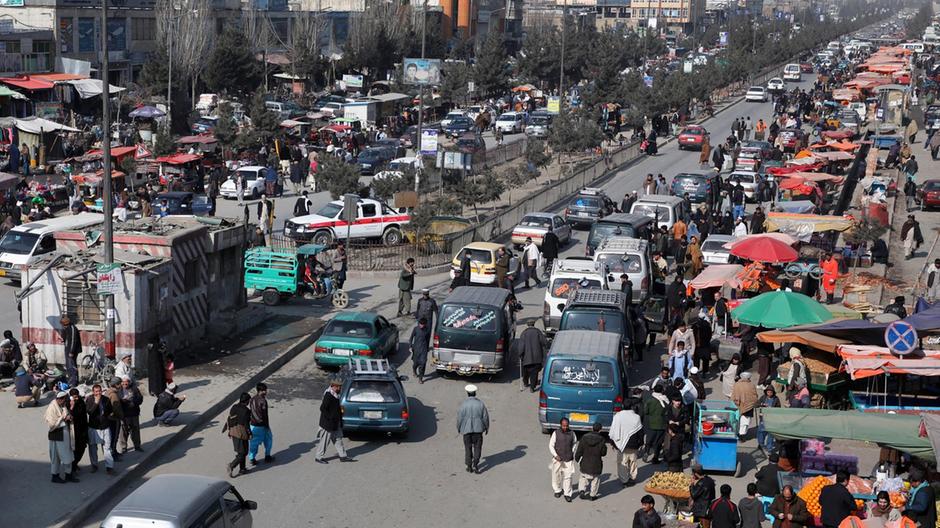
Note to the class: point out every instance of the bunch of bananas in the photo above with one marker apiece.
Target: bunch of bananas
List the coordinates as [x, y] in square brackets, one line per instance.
[666, 480]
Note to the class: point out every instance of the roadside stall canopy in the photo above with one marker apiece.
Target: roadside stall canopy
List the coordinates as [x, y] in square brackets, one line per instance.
[782, 237]
[717, 275]
[806, 163]
[863, 361]
[932, 425]
[291, 123]
[88, 88]
[201, 139]
[796, 206]
[845, 146]
[897, 431]
[818, 177]
[178, 159]
[337, 129]
[835, 156]
[764, 249]
[846, 94]
[524, 88]
[866, 332]
[780, 309]
[116, 152]
[842, 133]
[38, 125]
[28, 83]
[805, 337]
[802, 226]
[6, 92]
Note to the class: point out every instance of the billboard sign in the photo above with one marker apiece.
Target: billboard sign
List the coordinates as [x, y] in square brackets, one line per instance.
[352, 81]
[428, 142]
[423, 72]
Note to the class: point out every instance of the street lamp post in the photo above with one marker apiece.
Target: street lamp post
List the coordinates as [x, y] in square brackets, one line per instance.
[424, 28]
[107, 191]
[561, 77]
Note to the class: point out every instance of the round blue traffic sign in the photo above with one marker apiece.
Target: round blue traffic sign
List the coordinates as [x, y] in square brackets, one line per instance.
[901, 337]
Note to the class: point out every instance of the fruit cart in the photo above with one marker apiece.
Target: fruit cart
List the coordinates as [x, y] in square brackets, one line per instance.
[673, 487]
[716, 436]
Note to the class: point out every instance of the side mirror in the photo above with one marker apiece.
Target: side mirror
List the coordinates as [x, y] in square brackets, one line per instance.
[250, 505]
[561, 307]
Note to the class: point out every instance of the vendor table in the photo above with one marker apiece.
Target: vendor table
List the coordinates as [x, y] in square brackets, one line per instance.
[717, 449]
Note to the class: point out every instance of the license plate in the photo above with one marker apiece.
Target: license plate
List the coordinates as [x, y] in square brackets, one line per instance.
[372, 415]
[342, 352]
[579, 417]
[582, 213]
[465, 358]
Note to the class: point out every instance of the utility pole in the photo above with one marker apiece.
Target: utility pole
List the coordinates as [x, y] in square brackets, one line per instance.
[561, 77]
[424, 27]
[106, 195]
[169, 76]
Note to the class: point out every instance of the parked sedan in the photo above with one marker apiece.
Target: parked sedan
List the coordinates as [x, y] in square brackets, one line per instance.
[929, 194]
[692, 137]
[181, 203]
[355, 335]
[535, 225]
[756, 94]
[714, 251]
[806, 67]
[458, 125]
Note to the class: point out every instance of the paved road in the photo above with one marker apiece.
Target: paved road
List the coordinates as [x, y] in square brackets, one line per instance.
[420, 481]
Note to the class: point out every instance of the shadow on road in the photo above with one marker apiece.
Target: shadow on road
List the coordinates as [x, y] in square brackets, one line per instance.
[503, 457]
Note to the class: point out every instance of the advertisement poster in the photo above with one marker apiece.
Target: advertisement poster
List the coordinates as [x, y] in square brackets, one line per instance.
[428, 142]
[65, 35]
[648, 81]
[422, 72]
[117, 34]
[723, 38]
[353, 81]
[110, 279]
[554, 104]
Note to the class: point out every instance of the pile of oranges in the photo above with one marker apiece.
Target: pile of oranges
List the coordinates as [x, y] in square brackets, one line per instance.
[898, 500]
[810, 494]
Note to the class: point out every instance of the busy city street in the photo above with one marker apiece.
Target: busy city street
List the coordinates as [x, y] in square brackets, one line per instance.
[516, 263]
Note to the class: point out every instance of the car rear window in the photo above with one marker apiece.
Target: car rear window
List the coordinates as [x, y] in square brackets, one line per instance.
[602, 230]
[586, 201]
[581, 373]
[693, 131]
[714, 246]
[348, 328]
[561, 287]
[621, 263]
[594, 320]
[741, 177]
[483, 256]
[473, 318]
[536, 221]
[372, 391]
[656, 212]
[932, 185]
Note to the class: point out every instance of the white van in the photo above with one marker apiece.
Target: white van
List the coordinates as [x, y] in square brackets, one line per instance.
[916, 47]
[792, 72]
[834, 46]
[623, 255]
[23, 244]
[567, 276]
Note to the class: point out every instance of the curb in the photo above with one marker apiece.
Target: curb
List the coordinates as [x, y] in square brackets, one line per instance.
[393, 274]
[76, 517]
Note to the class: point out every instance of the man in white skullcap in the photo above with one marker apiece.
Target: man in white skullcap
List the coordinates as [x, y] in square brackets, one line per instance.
[473, 421]
[124, 368]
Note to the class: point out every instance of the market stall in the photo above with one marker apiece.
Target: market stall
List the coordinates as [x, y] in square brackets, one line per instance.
[715, 445]
[899, 384]
[673, 487]
[780, 309]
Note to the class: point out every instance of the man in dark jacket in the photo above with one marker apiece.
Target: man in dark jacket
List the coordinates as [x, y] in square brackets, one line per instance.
[237, 423]
[166, 408]
[550, 246]
[766, 478]
[302, 205]
[701, 494]
[590, 457]
[331, 424]
[99, 433]
[897, 307]
[654, 416]
[420, 342]
[647, 516]
[79, 427]
[626, 286]
[836, 501]
[532, 345]
[757, 221]
[675, 297]
[131, 398]
[260, 426]
[788, 510]
[72, 341]
[426, 307]
[724, 513]
[922, 505]
[702, 330]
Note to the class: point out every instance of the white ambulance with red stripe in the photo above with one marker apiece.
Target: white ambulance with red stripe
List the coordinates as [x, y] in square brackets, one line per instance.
[374, 219]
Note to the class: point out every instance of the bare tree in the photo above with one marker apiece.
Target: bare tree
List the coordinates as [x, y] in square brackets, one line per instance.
[186, 27]
[304, 48]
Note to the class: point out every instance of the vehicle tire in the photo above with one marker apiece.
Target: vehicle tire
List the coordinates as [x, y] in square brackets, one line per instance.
[271, 297]
[324, 238]
[794, 271]
[255, 194]
[681, 147]
[340, 299]
[392, 236]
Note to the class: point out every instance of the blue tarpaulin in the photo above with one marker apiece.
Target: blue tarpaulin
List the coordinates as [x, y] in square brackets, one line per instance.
[865, 332]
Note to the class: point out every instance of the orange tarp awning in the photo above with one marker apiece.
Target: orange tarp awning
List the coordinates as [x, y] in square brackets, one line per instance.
[806, 337]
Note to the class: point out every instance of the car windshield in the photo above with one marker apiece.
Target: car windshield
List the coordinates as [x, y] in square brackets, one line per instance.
[250, 175]
[692, 131]
[742, 177]
[592, 320]
[18, 242]
[473, 318]
[330, 210]
[561, 287]
[586, 201]
[483, 256]
[580, 372]
[536, 221]
[368, 155]
[602, 230]
[928, 186]
[540, 120]
[714, 246]
[399, 166]
[348, 328]
[616, 263]
[372, 391]
[656, 212]
[506, 117]
[461, 121]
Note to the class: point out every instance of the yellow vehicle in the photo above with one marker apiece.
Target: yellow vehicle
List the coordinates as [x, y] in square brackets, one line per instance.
[483, 262]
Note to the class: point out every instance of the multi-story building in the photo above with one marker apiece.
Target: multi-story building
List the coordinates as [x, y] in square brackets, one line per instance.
[667, 15]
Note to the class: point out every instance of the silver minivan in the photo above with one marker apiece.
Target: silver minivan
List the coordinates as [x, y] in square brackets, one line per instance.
[182, 501]
[660, 207]
[619, 255]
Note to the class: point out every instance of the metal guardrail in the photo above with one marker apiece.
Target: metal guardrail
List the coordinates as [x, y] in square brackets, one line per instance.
[378, 257]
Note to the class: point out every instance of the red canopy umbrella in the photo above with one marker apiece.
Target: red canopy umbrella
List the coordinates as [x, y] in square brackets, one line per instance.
[764, 249]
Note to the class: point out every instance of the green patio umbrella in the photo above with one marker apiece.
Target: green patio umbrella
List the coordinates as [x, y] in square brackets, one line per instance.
[780, 309]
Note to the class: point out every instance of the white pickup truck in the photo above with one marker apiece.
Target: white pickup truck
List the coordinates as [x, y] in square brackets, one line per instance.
[374, 219]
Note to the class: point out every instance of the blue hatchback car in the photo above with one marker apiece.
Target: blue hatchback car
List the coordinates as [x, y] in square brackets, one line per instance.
[372, 397]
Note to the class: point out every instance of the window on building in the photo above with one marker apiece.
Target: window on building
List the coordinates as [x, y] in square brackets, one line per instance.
[11, 46]
[80, 301]
[143, 29]
[191, 279]
[42, 46]
[281, 29]
[685, 13]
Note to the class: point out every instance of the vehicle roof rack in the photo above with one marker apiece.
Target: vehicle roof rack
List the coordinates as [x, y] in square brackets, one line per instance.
[369, 366]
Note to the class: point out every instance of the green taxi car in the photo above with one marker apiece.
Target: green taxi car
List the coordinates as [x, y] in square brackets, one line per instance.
[355, 335]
